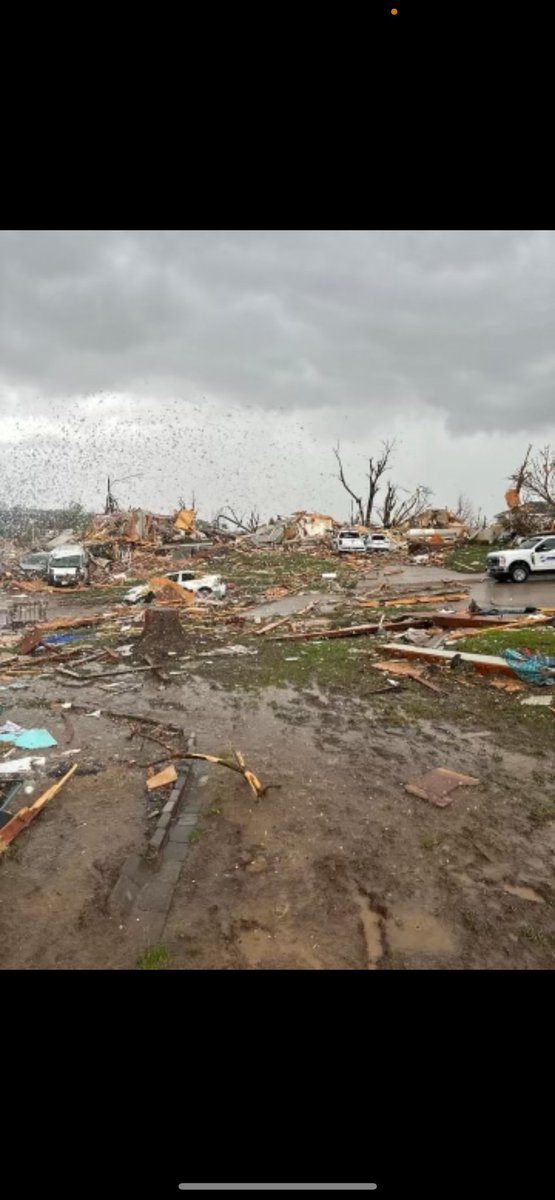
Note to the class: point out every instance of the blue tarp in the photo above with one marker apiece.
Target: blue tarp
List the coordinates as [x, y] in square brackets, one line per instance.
[58, 639]
[531, 668]
[30, 739]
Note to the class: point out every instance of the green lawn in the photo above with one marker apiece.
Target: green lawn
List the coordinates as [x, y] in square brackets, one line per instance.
[494, 641]
[282, 568]
[471, 558]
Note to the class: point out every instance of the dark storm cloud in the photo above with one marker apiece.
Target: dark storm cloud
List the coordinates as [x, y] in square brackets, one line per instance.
[456, 323]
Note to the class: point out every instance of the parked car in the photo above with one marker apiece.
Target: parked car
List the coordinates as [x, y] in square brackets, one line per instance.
[68, 566]
[349, 540]
[379, 541]
[206, 586]
[35, 563]
[535, 555]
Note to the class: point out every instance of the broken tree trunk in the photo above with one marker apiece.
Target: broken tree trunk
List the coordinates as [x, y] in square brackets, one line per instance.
[162, 632]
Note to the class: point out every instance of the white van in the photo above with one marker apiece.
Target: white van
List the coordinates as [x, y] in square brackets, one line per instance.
[68, 566]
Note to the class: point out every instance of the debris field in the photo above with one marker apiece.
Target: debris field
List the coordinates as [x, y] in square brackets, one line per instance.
[342, 761]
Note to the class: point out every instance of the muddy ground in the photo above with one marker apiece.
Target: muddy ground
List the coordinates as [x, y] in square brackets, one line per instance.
[336, 866]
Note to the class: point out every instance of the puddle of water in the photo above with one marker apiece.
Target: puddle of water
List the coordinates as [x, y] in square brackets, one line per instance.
[293, 604]
[418, 933]
[261, 948]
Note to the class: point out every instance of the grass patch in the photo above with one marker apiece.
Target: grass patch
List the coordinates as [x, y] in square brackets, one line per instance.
[542, 812]
[430, 841]
[494, 641]
[468, 558]
[537, 936]
[153, 959]
[326, 664]
[294, 569]
[195, 836]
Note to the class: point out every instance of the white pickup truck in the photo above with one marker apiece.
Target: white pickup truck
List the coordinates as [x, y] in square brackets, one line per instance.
[534, 555]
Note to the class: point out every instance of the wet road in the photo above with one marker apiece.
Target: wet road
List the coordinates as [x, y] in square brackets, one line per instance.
[481, 588]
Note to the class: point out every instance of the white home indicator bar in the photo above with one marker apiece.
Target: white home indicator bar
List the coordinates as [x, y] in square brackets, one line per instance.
[278, 1187]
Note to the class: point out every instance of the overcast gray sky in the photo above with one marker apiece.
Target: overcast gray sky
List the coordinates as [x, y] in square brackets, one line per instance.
[230, 362]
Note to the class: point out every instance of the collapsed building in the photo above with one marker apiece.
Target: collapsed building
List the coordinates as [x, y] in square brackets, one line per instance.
[299, 527]
[437, 525]
[533, 516]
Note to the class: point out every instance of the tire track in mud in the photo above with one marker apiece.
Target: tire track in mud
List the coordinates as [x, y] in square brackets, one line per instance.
[372, 915]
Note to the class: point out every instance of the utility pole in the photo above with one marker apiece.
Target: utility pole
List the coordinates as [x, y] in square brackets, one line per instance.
[111, 505]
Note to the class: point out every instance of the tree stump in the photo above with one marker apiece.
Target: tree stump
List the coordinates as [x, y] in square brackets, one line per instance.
[162, 632]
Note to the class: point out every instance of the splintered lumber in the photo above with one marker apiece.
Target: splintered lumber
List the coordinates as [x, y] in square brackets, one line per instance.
[399, 601]
[124, 716]
[350, 630]
[484, 663]
[84, 679]
[168, 589]
[239, 765]
[284, 620]
[407, 672]
[315, 635]
[26, 815]
[436, 786]
[160, 674]
[169, 775]
[462, 620]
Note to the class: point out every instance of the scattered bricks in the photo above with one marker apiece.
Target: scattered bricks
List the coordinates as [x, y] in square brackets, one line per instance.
[156, 896]
[169, 807]
[163, 821]
[176, 852]
[169, 871]
[124, 893]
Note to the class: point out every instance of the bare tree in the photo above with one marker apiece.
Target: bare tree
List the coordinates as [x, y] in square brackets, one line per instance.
[396, 512]
[519, 476]
[539, 480]
[390, 500]
[248, 525]
[111, 505]
[535, 477]
[376, 468]
[182, 503]
[466, 512]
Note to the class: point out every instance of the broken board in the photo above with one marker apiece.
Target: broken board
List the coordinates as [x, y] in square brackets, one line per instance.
[437, 785]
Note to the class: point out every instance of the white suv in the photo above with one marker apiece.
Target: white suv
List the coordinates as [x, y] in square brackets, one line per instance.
[534, 555]
[205, 586]
[379, 541]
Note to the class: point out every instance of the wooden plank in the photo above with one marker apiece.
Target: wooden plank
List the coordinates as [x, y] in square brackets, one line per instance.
[25, 815]
[354, 630]
[397, 601]
[284, 620]
[484, 663]
[468, 621]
